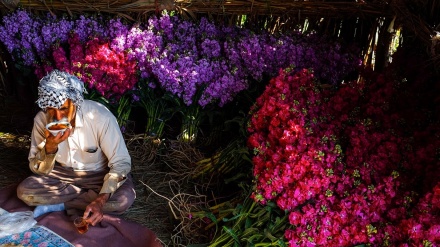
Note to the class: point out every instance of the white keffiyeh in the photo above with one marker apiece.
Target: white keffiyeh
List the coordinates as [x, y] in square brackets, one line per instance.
[58, 86]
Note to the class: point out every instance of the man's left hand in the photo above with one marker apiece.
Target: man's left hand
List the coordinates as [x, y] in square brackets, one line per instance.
[93, 213]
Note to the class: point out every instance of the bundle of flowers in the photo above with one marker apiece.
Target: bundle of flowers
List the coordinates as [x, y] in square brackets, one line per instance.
[29, 38]
[198, 62]
[343, 165]
[107, 71]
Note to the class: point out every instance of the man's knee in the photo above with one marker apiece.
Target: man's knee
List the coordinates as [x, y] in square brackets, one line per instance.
[24, 195]
[120, 201]
[34, 191]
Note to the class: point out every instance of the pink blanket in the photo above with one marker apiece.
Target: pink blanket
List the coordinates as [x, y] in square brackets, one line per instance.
[112, 231]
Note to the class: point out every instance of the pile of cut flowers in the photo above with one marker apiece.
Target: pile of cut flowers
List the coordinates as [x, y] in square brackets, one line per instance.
[353, 165]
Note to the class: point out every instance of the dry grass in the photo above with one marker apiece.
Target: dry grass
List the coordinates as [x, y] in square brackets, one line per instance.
[165, 196]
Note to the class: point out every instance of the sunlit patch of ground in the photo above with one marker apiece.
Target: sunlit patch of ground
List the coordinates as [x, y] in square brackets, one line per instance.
[14, 140]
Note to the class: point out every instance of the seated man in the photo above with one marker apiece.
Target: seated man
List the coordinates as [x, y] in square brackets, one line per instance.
[86, 167]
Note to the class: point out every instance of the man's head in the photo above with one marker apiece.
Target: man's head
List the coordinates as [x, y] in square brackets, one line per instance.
[60, 94]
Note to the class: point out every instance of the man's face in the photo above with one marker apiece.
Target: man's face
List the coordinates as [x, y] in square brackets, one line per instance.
[66, 112]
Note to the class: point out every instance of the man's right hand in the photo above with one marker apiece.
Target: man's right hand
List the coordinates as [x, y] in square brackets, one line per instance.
[53, 141]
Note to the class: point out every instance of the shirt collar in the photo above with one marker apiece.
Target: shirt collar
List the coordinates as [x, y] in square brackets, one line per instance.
[79, 120]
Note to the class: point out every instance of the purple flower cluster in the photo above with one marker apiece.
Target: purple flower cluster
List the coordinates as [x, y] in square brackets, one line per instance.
[53, 32]
[30, 38]
[198, 62]
[18, 35]
[88, 28]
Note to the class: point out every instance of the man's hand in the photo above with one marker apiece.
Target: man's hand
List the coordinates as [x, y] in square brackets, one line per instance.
[53, 141]
[93, 213]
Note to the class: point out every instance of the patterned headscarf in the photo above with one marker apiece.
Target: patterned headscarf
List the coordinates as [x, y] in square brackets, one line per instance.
[58, 86]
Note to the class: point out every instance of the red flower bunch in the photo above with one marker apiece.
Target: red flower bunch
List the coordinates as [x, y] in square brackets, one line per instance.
[107, 71]
[337, 160]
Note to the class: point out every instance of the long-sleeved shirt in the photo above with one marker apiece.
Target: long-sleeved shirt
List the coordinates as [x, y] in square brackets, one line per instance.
[96, 142]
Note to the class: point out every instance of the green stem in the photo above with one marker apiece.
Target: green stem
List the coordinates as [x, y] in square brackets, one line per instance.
[268, 244]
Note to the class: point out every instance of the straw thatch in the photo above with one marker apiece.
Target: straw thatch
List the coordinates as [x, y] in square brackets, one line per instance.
[233, 7]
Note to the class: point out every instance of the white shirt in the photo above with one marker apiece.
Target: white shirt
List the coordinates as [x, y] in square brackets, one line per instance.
[96, 142]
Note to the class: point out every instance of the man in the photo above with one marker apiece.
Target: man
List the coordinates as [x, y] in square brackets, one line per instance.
[86, 167]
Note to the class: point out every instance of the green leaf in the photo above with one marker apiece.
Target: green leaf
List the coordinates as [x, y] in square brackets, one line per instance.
[281, 243]
[269, 236]
[212, 217]
[233, 218]
[248, 222]
[249, 231]
[255, 238]
[232, 234]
